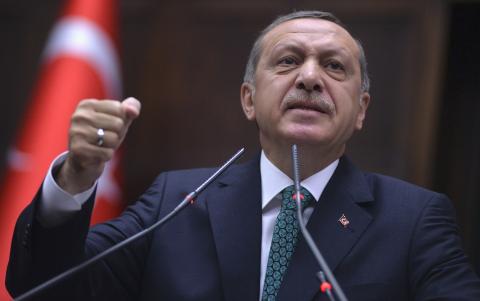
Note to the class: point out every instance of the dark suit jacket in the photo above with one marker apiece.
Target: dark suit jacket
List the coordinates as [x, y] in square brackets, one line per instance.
[402, 243]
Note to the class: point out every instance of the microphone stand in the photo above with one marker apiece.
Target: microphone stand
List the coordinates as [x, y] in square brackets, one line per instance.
[189, 199]
[325, 286]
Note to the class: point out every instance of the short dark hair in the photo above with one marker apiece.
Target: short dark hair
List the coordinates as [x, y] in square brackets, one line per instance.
[256, 51]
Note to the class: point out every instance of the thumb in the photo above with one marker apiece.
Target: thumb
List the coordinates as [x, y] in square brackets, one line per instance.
[131, 107]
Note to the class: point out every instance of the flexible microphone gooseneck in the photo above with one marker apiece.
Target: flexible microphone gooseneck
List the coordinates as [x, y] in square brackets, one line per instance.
[76, 269]
[325, 286]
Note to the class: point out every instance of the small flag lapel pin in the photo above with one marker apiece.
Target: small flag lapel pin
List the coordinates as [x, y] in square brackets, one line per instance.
[343, 220]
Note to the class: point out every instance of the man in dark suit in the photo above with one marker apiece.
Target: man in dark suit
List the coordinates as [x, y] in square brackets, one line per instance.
[306, 83]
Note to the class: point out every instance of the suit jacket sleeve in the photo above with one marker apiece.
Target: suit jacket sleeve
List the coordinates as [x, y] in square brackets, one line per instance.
[39, 253]
[440, 269]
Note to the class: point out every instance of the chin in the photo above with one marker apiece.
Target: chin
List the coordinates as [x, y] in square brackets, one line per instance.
[307, 138]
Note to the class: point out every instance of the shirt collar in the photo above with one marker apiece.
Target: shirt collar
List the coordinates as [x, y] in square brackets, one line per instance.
[274, 180]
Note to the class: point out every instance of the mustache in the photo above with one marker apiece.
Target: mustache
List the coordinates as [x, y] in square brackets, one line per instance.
[310, 100]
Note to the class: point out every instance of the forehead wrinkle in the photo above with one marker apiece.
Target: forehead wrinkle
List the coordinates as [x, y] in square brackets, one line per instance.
[317, 47]
[329, 31]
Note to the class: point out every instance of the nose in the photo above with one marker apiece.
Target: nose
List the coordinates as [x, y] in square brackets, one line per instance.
[309, 77]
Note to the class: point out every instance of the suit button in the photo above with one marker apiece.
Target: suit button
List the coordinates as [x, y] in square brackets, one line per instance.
[26, 236]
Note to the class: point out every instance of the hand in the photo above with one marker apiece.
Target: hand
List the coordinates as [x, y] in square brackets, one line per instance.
[86, 159]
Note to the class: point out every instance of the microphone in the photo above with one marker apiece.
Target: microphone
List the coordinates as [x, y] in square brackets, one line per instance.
[189, 199]
[325, 286]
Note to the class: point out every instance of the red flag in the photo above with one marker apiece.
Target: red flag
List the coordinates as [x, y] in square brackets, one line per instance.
[80, 61]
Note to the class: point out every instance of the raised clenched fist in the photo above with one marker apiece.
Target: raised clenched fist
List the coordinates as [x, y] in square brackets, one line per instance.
[97, 129]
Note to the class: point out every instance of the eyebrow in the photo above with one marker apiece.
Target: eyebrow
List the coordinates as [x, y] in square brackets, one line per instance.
[293, 46]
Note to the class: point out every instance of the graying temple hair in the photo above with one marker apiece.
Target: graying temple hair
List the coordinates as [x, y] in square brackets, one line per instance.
[256, 51]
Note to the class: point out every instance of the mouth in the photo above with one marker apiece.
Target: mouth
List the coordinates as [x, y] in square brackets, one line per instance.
[307, 107]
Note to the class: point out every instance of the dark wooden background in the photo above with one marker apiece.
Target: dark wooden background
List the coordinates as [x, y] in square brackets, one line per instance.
[185, 60]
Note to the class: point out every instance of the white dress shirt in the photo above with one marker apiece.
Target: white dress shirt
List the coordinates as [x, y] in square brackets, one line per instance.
[57, 205]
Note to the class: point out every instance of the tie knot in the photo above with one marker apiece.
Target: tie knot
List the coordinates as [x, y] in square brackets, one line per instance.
[289, 198]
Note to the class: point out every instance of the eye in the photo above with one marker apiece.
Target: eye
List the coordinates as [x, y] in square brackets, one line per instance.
[336, 69]
[287, 61]
[334, 65]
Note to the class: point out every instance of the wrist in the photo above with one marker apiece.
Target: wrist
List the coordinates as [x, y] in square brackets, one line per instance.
[74, 178]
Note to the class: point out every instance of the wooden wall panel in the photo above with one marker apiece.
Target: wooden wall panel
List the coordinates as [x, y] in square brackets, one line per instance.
[23, 30]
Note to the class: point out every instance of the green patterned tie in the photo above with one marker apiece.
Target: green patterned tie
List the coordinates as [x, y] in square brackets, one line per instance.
[284, 240]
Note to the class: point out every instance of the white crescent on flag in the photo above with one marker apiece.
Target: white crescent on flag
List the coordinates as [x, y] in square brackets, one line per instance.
[80, 37]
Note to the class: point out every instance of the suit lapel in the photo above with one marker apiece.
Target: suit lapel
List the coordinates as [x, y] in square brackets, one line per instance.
[345, 192]
[234, 206]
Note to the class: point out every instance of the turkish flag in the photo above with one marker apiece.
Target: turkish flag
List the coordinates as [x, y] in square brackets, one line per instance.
[80, 61]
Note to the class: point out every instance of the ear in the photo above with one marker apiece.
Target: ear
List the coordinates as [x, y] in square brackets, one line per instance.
[247, 93]
[364, 102]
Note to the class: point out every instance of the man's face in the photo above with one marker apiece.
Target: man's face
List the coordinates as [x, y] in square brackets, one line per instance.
[307, 86]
